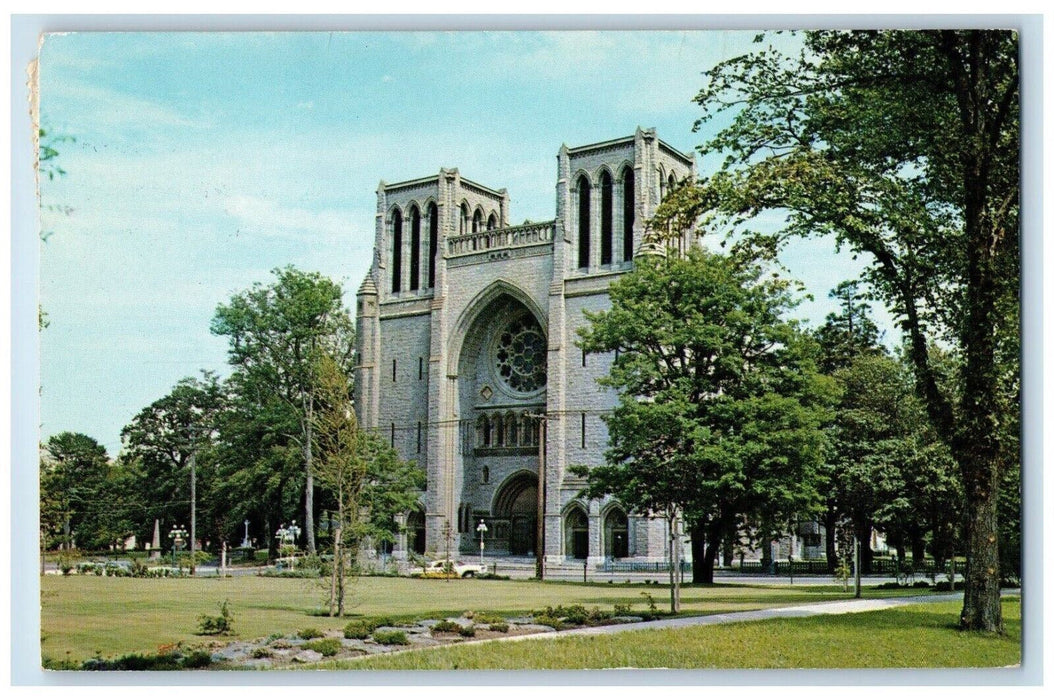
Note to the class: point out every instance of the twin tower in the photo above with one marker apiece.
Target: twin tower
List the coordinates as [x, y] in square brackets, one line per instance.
[467, 360]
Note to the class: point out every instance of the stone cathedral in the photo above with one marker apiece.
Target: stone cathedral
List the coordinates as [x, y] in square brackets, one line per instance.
[467, 361]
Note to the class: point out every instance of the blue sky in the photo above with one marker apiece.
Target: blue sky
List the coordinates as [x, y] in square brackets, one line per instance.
[202, 161]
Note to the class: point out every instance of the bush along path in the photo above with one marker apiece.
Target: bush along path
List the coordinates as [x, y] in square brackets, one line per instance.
[369, 636]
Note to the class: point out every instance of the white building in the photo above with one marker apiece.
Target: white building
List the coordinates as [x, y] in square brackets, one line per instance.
[466, 330]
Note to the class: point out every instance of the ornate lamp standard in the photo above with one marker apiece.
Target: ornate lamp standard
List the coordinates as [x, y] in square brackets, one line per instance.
[482, 530]
[287, 537]
[178, 535]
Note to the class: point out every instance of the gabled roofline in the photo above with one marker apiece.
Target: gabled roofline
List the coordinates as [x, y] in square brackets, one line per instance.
[406, 184]
[688, 160]
[599, 145]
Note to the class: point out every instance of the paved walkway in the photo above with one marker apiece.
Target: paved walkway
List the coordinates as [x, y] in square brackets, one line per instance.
[836, 607]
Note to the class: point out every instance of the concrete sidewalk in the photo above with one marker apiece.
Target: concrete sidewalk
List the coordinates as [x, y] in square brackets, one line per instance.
[837, 607]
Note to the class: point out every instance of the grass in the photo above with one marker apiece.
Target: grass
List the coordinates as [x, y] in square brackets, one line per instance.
[86, 616]
[914, 636]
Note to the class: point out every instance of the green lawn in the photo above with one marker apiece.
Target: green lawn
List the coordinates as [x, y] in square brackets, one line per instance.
[82, 616]
[915, 636]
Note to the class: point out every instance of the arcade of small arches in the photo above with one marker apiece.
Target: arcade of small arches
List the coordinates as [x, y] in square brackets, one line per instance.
[614, 201]
[417, 248]
[507, 429]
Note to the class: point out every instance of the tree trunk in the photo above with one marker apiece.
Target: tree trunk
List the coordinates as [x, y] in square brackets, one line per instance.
[918, 549]
[830, 535]
[699, 572]
[982, 607]
[333, 574]
[867, 557]
[976, 443]
[709, 558]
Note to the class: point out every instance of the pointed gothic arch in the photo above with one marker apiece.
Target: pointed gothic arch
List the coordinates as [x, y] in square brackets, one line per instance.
[477, 307]
[583, 189]
[516, 501]
[433, 241]
[629, 211]
[607, 217]
[397, 249]
[576, 531]
[415, 247]
[616, 532]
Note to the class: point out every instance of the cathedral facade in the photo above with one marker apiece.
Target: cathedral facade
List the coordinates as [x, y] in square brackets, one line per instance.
[467, 358]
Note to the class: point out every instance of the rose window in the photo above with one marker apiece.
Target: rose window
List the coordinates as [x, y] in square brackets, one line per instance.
[520, 355]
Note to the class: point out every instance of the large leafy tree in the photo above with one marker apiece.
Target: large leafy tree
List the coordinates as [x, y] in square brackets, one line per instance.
[903, 145]
[886, 469]
[260, 469]
[720, 406]
[277, 334]
[75, 507]
[845, 335]
[160, 442]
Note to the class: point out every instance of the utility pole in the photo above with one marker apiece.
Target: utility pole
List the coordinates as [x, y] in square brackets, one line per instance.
[193, 508]
[539, 538]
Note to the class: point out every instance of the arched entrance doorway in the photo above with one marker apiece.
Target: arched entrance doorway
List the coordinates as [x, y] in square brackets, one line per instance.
[616, 534]
[516, 511]
[576, 533]
[415, 532]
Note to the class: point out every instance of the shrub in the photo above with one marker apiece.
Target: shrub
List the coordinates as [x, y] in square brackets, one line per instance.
[488, 618]
[467, 631]
[623, 609]
[596, 616]
[549, 621]
[328, 646]
[498, 626]
[310, 633]
[391, 637]
[573, 614]
[197, 659]
[446, 626]
[358, 629]
[921, 584]
[261, 653]
[216, 625]
[65, 563]
[944, 586]
[318, 565]
[164, 661]
[888, 585]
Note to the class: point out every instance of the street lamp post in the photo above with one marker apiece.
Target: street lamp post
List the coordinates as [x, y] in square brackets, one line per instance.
[482, 530]
[287, 536]
[178, 534]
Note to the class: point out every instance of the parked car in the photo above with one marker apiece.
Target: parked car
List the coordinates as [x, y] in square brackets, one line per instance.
[456, 568]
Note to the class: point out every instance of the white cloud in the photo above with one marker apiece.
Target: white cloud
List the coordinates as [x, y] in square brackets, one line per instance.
[110, 114]
[265, 217]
